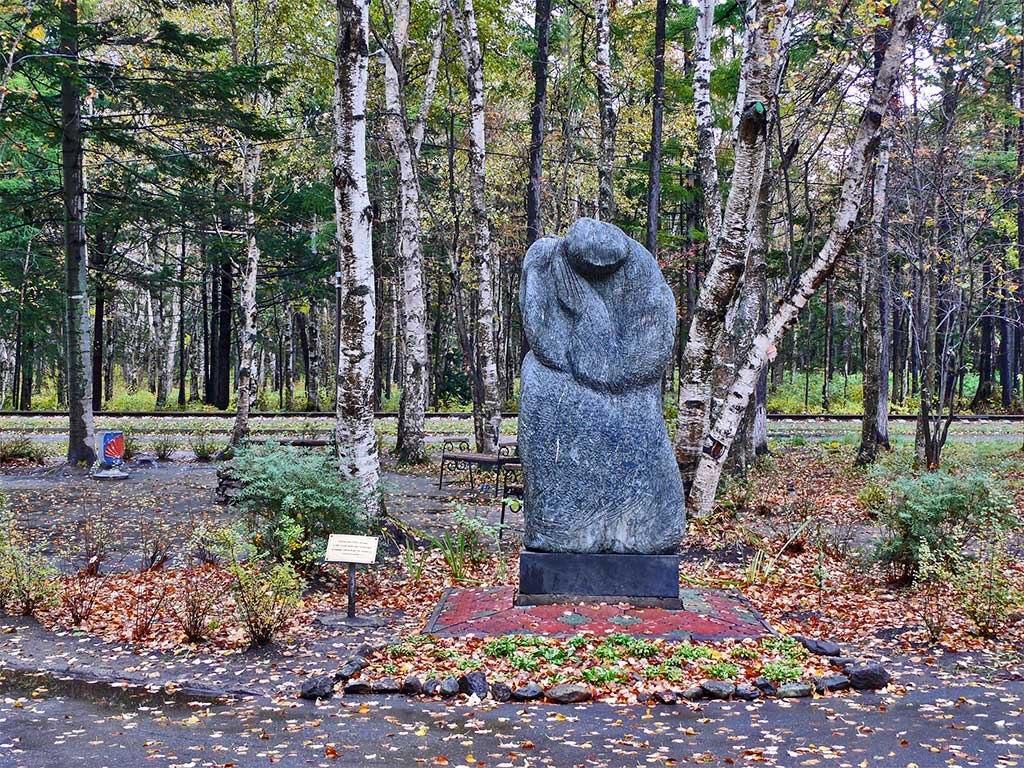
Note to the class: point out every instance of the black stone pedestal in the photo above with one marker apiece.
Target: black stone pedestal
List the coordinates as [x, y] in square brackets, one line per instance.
[571, 577]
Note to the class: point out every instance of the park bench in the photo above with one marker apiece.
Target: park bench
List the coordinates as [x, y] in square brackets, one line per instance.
[511, 489]
[456, 456]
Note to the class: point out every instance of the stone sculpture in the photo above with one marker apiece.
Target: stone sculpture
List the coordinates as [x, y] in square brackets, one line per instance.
[600, 476]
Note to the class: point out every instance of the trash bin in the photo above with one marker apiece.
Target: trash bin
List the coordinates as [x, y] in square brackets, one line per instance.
[113, 448]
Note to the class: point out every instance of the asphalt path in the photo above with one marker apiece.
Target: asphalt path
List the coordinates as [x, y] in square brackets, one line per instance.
[959, 726]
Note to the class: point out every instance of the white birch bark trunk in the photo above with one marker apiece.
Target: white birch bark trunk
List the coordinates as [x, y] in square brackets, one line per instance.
[723, 431]
[355, 437]
[313, 335]
[490, 407]
[728, 254]
[246, 381]
[288, 368]
[706, 150]
[168, 351]
[608, 113]
[412, 408]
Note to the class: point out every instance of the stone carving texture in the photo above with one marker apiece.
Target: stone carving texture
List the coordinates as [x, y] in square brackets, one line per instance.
[599, 472]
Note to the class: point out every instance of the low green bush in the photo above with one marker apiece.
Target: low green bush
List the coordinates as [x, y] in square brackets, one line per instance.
[203, 446]
[27, 580]
[945, 512]
[293, 500]
[21, 449]
[987, 596]
[164, 446]
[465, 544]
[785, 671]
[722, 670]
[267, 595]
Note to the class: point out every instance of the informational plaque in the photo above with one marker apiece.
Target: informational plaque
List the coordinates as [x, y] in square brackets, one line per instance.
[342, 548]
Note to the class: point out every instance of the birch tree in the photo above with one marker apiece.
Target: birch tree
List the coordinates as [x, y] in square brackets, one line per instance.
[355, 437]
[251, 157]
[719, 437]
[406, 138]
[487, 423]
[707, 164]
[728, 251]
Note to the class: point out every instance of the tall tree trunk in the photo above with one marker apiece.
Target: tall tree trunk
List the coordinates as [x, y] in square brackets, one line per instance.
[875, 312]
[222, 379]
[99, 322]
[705, 117]
[81, 437]
[27, 366]
[355, 437]
[728, 254]
[541, 28]
[288, 372]
[826, 379]
[983, 393]
[313, 373]
[490, 406]
[607, 111]
[182, 359]
[409, 446]
[20, 342]
[246, 381]
[314, 327]
[657, 114]
[763, 347]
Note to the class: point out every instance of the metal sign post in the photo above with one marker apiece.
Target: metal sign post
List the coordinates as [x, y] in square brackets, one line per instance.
[351, 590]
[351, 550]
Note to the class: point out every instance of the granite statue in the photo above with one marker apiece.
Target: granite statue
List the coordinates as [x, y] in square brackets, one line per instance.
[599, 472]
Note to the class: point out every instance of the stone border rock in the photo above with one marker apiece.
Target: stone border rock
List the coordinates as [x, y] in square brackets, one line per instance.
[851, 674]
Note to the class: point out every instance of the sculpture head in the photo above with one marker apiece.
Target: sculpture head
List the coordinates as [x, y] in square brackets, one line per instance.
[595, 305]
[595, 249]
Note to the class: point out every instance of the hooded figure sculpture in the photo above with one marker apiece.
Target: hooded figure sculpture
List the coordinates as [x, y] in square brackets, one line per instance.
[599, 472]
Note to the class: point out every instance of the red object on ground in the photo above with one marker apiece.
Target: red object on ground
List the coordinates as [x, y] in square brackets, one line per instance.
[707, 614]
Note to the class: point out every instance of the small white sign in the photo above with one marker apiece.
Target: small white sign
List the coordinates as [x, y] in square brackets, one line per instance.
[351, 549]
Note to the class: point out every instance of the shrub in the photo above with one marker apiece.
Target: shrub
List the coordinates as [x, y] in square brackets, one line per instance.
[154, 542]
[267, 596]
[78, 596]
[931, 586]
[987, 597]
[688, 652]
[203, 446]
[872, 497]
[145, 609]
[465, 544]
[785, 646]
[27, 580]
[21, 449]
[294, 499]
[196, 597]
[94, 537]
[131, 445]
[942, 511]
[164, 446]
[603, 675]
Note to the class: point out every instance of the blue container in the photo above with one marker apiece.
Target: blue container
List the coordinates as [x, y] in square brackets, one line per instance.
[113, 448]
